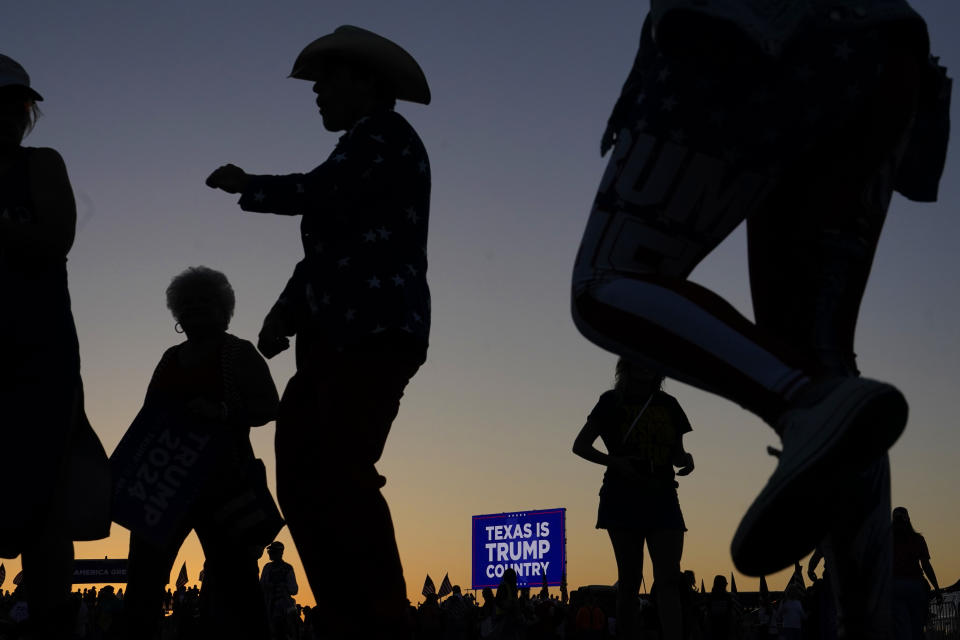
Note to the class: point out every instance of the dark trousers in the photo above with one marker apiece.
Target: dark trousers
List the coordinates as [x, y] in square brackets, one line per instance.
[332, 427]
[231, 603]
[911, 599]
[810, 260]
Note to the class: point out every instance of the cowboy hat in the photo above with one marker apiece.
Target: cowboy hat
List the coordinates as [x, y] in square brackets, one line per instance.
[380, 54]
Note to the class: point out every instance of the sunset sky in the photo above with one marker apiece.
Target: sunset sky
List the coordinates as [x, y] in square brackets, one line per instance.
[143, 100]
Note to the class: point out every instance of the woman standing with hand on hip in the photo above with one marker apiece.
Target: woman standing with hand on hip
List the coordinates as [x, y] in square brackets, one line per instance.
[43, 427]
[642, 429]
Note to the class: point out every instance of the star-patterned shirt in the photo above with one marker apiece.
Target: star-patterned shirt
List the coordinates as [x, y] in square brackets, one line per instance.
[772, 24]
[760, 121]
[362, 282]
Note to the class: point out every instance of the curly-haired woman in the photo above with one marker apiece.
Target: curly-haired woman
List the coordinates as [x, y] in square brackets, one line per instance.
[222, 380]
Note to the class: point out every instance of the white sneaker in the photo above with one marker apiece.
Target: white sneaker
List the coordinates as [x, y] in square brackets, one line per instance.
[824, 446]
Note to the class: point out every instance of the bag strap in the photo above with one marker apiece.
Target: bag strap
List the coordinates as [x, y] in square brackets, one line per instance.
[229, 357]
[637, 419]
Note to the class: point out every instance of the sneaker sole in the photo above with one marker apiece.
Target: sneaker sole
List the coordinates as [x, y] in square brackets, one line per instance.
[795, 510]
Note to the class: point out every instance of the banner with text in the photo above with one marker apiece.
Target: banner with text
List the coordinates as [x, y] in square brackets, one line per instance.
[158, 467]
[532, 543]
[97, 571]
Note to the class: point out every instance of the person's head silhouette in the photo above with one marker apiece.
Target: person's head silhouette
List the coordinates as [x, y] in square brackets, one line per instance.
[634, 381]
[357, 73]
[510, 577]
[275, 551]
[719, 584]
[18, 103]
[201, 301]
[900, 524]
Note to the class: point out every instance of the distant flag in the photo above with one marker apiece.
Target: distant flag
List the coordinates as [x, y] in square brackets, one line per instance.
[764, 591]
[544, 588]
[445, 586]
[18, 579]
[201, 576]
[428, 588]
[703, 589]
[797, 577]
[182, 578]
[3, 574]
[733, 584]
[563, 587]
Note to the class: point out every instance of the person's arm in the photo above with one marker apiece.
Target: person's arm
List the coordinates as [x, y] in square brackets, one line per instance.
[283, 319]
[923, 555]
[583, 447]
[263, 577]
[814, 563]
[583, 444]
[681, 458]
[361, 162]
[52, 230]
[686, 464]
[932, 577]
[287, 195]
[292, 587]
[684, 460]
[283, 195]
[153, 388]
[256, 400]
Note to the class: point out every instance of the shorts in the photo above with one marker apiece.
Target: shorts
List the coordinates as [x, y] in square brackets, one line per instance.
[646, 509]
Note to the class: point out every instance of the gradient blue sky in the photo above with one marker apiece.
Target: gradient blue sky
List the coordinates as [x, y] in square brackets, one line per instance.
[145, 99]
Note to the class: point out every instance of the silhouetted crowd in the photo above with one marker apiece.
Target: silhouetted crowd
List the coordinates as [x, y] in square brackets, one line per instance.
[589, 613]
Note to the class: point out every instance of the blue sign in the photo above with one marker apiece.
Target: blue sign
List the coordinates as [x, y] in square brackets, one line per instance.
[532, 543]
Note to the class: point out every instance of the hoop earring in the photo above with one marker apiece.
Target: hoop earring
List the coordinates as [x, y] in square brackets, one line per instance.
[178, 328]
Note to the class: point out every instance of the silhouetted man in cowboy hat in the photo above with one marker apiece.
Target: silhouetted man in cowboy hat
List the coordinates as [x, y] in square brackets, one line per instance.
[359, 305]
